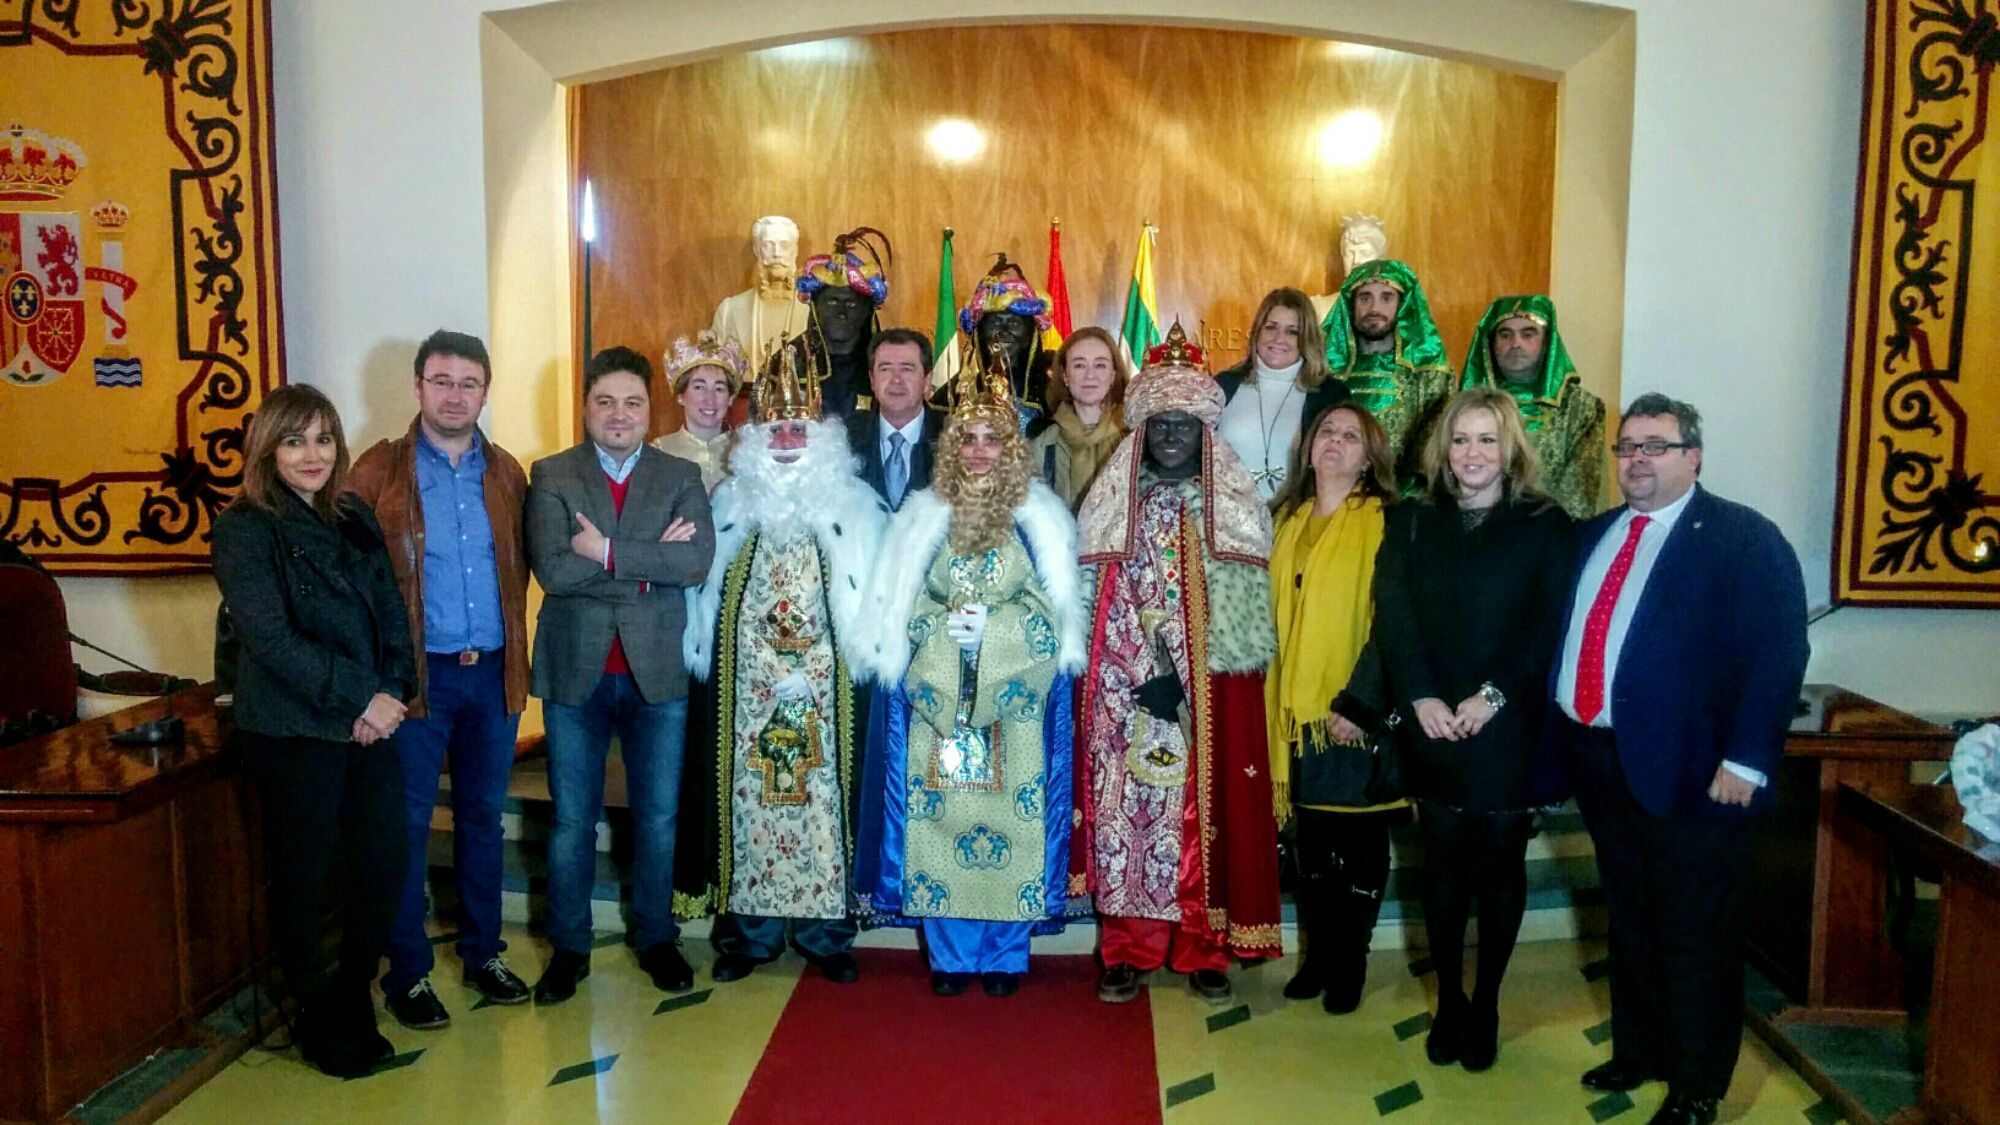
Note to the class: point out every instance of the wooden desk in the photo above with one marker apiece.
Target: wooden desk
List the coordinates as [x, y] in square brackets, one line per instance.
[127, 909]
[1818, 881]
[1962, 1053]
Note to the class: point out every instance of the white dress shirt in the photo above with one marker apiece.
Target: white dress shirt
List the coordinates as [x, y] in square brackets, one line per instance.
[912, 431]
[1651, 540]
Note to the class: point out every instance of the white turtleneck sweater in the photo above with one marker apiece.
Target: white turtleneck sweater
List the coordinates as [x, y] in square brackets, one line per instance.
[1262, 422]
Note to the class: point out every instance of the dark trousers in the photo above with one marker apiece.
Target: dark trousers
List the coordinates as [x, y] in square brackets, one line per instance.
[1343, 870]
[322, 799]
[1473, 858]
[468, 726]
[1673, 887]
[762, 939]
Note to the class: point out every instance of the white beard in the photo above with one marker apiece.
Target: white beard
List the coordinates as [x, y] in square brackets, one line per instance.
[778, 494]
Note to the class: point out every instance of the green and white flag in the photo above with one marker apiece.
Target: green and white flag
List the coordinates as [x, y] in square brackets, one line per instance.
[945, 357]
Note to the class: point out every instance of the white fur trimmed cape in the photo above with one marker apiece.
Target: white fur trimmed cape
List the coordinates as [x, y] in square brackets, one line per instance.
[918, 532]
[846, 519]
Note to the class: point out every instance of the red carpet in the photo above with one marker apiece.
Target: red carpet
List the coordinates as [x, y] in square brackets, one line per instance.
[885, 1049]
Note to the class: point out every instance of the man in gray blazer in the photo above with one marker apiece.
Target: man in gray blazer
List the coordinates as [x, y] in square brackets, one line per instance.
[617, 531]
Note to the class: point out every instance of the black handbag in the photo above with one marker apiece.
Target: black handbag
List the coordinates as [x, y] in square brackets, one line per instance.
[1327, 773]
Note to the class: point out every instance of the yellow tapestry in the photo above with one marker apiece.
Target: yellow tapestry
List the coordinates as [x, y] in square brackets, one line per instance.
[1917, 522]
[139, 317]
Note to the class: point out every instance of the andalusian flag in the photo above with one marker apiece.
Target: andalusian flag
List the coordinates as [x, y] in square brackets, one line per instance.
[1057, 293]
[1141, 327]
[944, 357]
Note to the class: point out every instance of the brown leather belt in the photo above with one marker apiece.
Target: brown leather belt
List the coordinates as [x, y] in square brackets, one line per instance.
[465, 659]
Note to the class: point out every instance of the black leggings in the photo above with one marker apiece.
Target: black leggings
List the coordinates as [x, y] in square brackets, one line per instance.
[1473, 857]
[322, 799]
[1343, 870]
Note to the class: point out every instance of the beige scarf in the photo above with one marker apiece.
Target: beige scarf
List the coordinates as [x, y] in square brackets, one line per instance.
[1089, 446]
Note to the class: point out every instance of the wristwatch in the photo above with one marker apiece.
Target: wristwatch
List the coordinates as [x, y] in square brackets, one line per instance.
[1492, 696]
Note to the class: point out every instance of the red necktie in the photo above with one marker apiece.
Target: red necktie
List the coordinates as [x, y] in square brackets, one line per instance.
[1597, 626]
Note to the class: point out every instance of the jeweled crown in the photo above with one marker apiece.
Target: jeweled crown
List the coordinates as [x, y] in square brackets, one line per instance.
[1177, 351]
[983, 392]
[708, 350]
[787, 390]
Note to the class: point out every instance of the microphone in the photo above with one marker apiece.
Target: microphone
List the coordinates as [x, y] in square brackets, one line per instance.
[164, 731]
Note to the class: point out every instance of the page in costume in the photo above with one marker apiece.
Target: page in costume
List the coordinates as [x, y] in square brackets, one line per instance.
[1565, 423]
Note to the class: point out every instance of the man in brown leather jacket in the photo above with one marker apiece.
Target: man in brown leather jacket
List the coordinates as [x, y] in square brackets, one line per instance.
[450, 504]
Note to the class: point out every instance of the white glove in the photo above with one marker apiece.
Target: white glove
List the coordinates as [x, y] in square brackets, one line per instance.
[793, 686]
[967, 626]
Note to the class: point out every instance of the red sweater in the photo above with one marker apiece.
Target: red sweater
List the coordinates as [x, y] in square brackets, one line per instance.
[614, 664]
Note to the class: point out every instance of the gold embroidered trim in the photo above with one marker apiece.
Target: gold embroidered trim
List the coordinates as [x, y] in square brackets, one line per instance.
[725, 721]
[1194, 591]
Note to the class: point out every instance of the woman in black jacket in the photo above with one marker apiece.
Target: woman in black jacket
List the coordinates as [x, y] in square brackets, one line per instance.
[1470, 590]
[325, 666]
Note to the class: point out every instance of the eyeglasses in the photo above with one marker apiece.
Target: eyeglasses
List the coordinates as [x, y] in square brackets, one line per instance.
[469, 386]
[1626, 449]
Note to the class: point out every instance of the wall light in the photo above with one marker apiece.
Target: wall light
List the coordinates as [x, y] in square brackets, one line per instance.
[1350, 140]
[1339, 50]
[844, 51]
[586, 222]
[955, 140]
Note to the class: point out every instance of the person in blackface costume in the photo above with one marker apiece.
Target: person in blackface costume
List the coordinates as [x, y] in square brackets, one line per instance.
[977, 623]
[1176, 843]
[1006, 312]
[845, 289]
[776, 725]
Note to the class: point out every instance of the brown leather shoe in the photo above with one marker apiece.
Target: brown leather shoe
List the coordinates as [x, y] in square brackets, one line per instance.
[1119, 984]
[1211, 985]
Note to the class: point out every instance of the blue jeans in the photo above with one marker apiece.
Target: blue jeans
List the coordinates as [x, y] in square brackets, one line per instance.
[652, 739]
[469, 727]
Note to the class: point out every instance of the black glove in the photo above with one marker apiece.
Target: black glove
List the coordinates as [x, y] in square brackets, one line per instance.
[1161, 697]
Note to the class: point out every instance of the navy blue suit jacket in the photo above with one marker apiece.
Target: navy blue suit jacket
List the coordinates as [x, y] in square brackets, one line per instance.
[1712, 664]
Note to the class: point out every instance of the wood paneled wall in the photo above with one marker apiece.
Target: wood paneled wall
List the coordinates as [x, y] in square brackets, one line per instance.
[1210, 134]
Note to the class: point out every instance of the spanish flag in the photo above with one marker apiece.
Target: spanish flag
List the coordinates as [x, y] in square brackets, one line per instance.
[1141, 327]
[1057, 293]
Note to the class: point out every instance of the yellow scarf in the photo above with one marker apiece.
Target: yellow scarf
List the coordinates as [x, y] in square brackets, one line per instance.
[1321, 594]
[1088, 445]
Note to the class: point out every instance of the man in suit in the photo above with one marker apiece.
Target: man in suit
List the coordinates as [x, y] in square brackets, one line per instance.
[1683, 653]
[896, 438]
[617, 531]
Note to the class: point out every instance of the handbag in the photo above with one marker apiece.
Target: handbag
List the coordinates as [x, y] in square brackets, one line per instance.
[1342, 775]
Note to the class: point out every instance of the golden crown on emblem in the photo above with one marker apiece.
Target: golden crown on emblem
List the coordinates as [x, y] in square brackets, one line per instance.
[787, 390]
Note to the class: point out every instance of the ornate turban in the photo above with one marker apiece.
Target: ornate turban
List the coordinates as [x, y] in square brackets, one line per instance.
[1004, 289]
[847, 266]
[1236, 524]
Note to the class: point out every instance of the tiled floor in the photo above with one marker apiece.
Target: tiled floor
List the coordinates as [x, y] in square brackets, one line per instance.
[623, 1051]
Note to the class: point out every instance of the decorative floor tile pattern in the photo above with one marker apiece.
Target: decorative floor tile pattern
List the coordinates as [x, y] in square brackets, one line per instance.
[676, 1003]
[583, 1070]
[1230, 1018]
[1190, 1090]
[1415, 1025]
[1274, 1060]
[1608, 1107]
[396, 1062]
[1402, 1097]
[1598, 1034]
